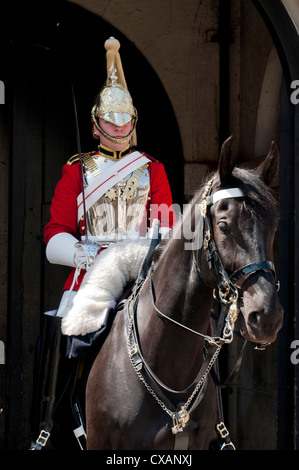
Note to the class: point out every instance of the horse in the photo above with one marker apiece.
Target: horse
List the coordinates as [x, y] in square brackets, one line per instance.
[150, 383]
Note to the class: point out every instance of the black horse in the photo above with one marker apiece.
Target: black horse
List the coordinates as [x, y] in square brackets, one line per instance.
[150, 381]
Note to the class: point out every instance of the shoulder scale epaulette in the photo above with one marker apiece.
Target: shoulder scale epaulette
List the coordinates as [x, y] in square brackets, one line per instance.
[75, 158]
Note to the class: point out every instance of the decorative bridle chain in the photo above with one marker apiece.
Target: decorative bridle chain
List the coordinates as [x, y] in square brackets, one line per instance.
[181, 417]
[176, 416]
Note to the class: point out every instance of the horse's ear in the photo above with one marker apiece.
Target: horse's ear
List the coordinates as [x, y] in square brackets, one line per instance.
[226, 161]
[268, 169]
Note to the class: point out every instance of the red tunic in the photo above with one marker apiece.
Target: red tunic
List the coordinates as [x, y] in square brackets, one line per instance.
[64, 205]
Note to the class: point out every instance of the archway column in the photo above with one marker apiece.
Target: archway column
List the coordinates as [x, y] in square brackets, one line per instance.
[282, 26]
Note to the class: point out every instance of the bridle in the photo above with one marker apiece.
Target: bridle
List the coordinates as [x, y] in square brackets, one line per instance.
[227, 290]
[227, 294]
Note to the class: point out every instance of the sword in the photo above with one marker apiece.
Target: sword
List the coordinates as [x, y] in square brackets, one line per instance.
[81, 162]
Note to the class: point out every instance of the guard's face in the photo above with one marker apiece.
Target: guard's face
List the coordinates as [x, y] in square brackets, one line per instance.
[114, 131]
[118, 132]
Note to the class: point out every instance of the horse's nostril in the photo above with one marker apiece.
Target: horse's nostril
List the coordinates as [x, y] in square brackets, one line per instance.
[255, 319]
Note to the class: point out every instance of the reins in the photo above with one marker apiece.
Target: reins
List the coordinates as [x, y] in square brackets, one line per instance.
[217, 340]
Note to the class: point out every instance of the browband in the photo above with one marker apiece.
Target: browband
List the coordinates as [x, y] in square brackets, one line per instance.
[224, 194]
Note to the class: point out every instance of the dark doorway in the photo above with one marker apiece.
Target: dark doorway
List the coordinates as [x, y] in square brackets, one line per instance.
[45, 47]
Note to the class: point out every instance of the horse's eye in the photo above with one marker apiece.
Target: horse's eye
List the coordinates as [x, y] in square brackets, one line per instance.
[223, 226]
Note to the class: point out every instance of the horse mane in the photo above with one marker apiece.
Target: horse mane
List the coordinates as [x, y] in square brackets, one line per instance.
[257, 193]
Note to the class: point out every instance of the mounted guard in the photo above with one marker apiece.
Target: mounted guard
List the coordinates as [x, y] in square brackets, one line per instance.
[110, 197]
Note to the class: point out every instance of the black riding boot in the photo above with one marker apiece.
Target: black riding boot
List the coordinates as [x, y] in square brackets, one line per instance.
[54, 377]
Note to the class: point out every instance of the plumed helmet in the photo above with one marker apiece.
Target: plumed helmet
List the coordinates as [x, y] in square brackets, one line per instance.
[114, 102]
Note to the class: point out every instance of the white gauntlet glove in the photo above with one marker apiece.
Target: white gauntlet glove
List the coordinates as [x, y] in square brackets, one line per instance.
[66, 250]
[86, 253]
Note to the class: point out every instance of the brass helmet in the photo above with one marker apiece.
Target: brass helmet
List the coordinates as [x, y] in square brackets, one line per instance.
[114, 102]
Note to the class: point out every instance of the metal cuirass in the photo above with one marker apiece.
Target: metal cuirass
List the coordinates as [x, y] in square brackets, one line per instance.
[123, 207]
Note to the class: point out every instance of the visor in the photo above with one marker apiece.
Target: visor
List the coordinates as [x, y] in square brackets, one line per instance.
[117, 118]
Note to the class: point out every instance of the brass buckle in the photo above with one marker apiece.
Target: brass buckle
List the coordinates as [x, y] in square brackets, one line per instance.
[133, 350]
[43, 438]
[229, 444]
[224, 289]
[203, 208]
[180, 420]
[207, 239]
[222, 429]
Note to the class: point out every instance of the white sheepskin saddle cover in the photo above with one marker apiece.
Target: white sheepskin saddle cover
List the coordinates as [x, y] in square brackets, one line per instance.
[102, 285]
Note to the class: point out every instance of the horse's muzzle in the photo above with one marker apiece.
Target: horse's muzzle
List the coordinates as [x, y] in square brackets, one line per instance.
[262, 313]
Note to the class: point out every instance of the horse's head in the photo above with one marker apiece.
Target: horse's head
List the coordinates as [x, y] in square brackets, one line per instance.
[243, 225]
